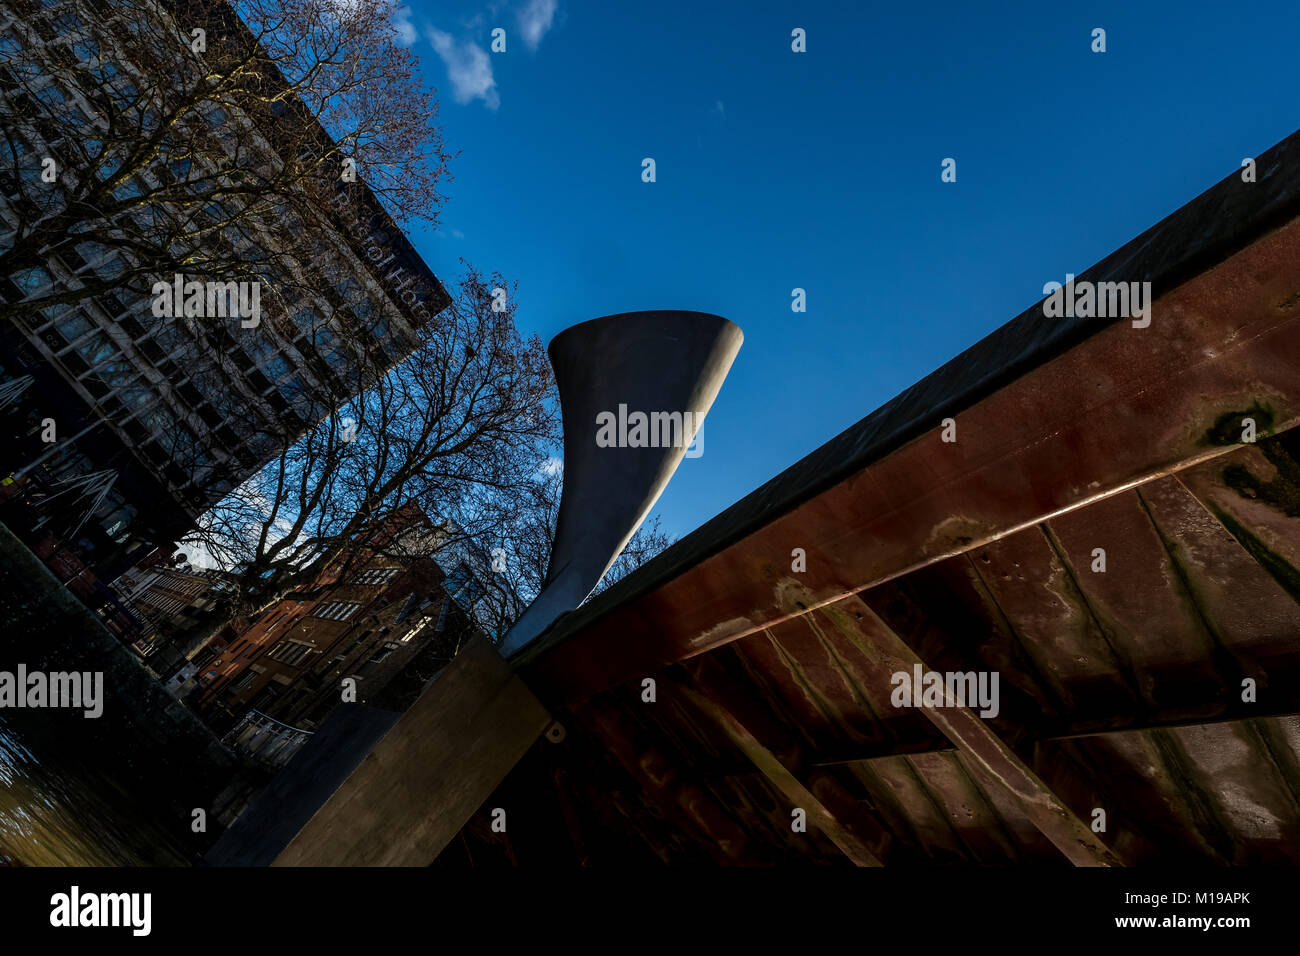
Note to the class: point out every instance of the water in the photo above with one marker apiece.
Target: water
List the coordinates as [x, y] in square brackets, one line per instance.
[119, 789]
[56, 811]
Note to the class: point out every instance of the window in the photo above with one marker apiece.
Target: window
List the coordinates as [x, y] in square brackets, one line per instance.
[51, 95]
[136, 398]
[307, 319]
[272, 621]
[31, 176]
[377, 575]
[419, 626]
[86, 49]
[259, 349]
[348, 289]
[244, 682]
[294, 390]
[190, 394]
[123, 94]
[74, 117]
[96, 348]
[214, 114]
[337, 610]
[277, 367]
[130, 189]
[380, 329]
[290, 652]
[118, 524]
[73, 326]
[116, 374]
[93, 252]
[72, 259]
[259, 382]
[158, 421]
[381, 654]
[32, 280]
[68, 22]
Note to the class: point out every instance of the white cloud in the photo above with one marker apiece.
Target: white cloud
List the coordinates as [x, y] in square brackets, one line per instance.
[343, 8]
[536, 17]
[406, 34]
[469, 67]
[553, 466]
[722, 110]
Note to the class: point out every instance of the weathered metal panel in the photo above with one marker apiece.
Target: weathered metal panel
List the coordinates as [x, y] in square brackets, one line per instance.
[1138, 599]
[1121, 408]
[1158, 695]
[1251, 615]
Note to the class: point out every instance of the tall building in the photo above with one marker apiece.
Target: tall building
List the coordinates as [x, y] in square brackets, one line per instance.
[120, 426]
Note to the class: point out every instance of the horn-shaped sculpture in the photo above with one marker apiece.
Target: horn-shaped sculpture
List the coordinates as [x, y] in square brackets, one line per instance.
[626, 382]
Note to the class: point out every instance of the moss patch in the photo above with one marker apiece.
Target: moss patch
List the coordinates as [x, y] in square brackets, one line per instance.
[1227, 428]
[1281, 570]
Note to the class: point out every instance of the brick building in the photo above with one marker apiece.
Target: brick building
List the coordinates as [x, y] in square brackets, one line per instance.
[388, 623]
[162, 602]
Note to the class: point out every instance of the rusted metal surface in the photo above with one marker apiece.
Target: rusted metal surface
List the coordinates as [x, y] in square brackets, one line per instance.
[1104, 535]
[1158, 737]
[1121, 408]
[1221, 792]
[802, 800]
[995, 764]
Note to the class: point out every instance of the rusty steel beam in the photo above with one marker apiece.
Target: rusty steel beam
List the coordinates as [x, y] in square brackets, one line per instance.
[1237, 716]
[786, 782]
[715, 677]
[908, 749]
[1123, 407]
[672, 787]
[994, 762]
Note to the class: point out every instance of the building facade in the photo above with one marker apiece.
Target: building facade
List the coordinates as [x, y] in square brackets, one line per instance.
[391, 621]
[120, 426]
[163, 606]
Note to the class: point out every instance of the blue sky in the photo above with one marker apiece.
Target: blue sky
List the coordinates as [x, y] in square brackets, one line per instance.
[821, 170]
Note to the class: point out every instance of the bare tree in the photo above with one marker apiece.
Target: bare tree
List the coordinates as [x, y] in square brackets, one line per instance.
[201, 137]
[453, 433]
